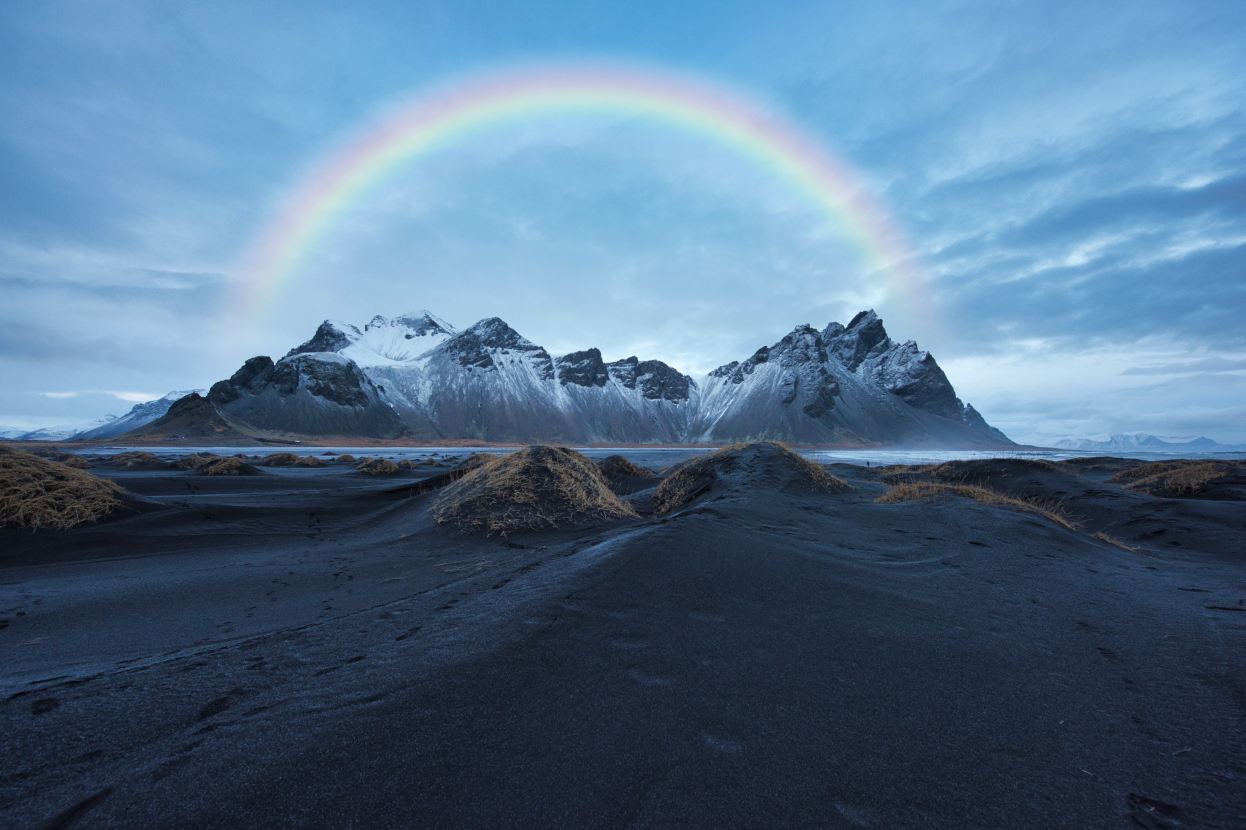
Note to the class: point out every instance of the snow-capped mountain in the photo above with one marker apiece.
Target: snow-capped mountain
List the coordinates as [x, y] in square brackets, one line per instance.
[139, 415]
[848, 384]
[65, 432]
[416, 375]
[1147, 443]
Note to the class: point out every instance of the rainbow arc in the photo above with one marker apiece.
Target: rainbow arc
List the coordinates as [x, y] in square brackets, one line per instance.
[439, 117]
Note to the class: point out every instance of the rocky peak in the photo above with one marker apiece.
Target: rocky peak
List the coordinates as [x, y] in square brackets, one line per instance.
[584, 368]
[864, 338]
[972, 419]
[325, 375]
[254, 375]
[329, 337]
[656, 380]
[802, 346]
[423, 323]
[474, 347]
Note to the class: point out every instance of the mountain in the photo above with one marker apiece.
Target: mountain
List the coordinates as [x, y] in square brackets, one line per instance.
[196, 419]
[141, 414]
[66, 432]
[1147, 443]
[418, 377]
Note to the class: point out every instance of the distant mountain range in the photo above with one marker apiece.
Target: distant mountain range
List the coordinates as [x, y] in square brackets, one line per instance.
[416, 376]
[105, 427]
[1145, 443]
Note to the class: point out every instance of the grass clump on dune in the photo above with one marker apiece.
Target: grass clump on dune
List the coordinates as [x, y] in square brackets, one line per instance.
[689, 479]
[231, 466]
[195, 461]
[475, 460]
[73, 461]
[929, 491]
[345, 458]
[377, 467]
[534, 488]
[38, 493]
[1172, 478]
[133, 459]
[279, 459]
[617, 465]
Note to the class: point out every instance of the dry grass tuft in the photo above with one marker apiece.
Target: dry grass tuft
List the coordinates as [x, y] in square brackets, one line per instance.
[133, 459]
[476, 460]
[377, 467]
[231, 466]
[617, 465]
[74, 461]
[929, 491]
[195, 461]
[347, 457]
[432, 461]
[534, 488]
[38, 493]
[279, 459]
[690, 479]
[1172, 478]
[406, 464]
[309, 461]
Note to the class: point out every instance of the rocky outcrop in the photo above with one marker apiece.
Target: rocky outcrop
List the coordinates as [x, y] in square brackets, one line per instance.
[320, 393]
[584, 368]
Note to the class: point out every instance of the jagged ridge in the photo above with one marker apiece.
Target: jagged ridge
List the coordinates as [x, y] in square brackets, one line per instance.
[416, 374]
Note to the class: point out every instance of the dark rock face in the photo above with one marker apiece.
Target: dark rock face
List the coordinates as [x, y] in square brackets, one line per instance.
[471, 348]
[915, 378]
[624, 371]
[656, 380]
[659, 382]
[908, 373]
[328, 338]
[254, 375]
[584, 368]
[342, 383]
[312, 394]
[864, 337]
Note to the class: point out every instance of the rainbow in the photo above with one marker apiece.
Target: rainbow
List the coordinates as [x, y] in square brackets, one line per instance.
[438, 117]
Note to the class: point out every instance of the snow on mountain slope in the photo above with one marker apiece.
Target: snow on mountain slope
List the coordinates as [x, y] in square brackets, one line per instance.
[842, 385]
[64, 432]
[381, 342]
[850, 385]
[1143, 442]
[140, 415]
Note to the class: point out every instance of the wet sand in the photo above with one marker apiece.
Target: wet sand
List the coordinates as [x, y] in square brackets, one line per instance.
[307, 648]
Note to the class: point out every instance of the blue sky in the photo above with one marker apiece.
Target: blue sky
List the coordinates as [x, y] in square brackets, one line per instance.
[1072, 178]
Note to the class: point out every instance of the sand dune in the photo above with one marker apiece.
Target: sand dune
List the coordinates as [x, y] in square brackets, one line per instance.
[308, 647]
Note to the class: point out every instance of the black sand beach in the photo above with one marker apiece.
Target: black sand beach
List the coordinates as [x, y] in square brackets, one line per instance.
[306, 647]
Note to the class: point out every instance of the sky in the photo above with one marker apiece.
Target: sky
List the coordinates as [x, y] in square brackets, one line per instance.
[1069, 181]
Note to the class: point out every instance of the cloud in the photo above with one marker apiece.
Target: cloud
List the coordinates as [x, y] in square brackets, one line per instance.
[132, 397]
[1210, 365]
